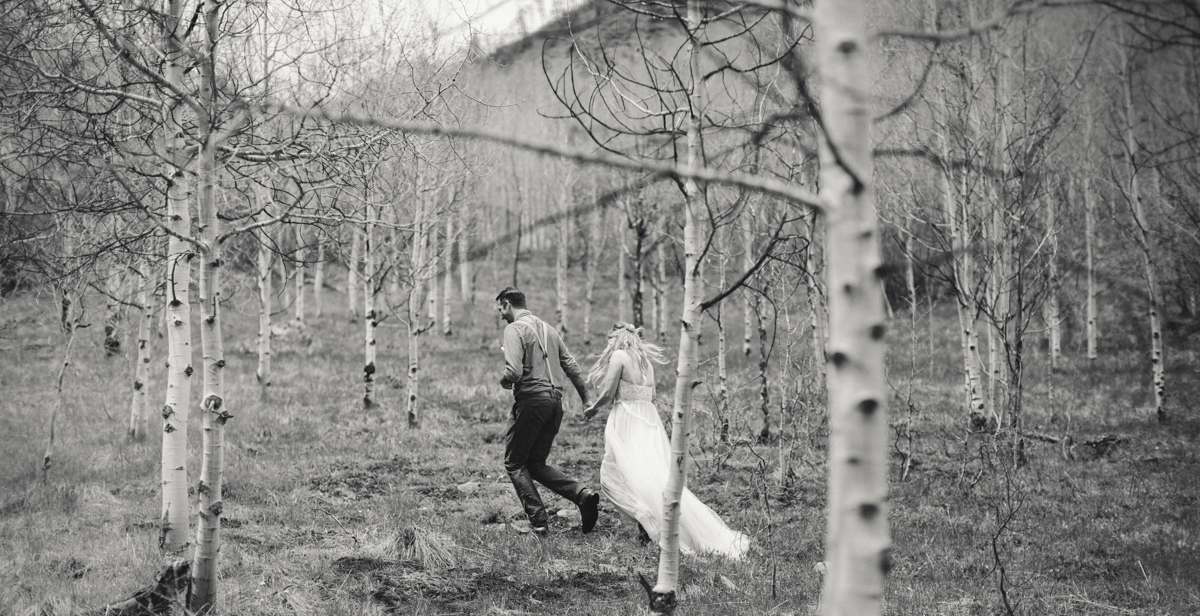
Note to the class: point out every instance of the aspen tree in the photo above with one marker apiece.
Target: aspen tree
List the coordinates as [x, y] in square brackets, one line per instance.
[139, 413]
[264, 256]
[299, 272]
[815, 292]
[173, 535]
[429, 270]
[319, 279]
[421, 251]
[724, 245]
[1089, 234]
[464, 262]
[560, 257]
[1141, 233]
[857, 544]
[662, 596]
[448, 277]
[623, 310]
[353, 273]
[70, 322]
[660, 258]
[1053, 316]
[963, 276]
[370, 320]
[1133, 194]
[747, 225]
[214, 405]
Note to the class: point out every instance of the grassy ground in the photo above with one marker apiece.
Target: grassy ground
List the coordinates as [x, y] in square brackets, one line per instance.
[333, 510]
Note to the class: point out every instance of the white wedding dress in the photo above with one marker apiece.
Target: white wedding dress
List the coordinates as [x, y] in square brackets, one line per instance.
[633, 475]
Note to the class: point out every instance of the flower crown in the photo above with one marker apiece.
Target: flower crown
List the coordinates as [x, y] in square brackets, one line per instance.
[627, 327]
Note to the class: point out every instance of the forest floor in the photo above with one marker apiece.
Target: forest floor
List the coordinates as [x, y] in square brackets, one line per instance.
[332, 509]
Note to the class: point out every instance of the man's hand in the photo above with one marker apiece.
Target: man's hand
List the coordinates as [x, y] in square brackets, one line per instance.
[590, 412]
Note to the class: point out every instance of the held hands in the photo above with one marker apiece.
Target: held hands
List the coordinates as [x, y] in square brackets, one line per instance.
[590, 411]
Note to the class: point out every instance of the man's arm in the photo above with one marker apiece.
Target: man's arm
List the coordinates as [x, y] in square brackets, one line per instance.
[571, 369]
[514, 357]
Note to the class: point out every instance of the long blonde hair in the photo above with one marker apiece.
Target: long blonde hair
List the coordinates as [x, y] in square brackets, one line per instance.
[626, 337]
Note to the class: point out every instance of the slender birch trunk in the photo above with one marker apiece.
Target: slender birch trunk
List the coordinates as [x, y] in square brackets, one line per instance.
[1053, 313]
[747, 226]
[662, 310]
[448, 278]
[300, 273]
[354, 281]
[422, 230]
[962, 270]
[263, 373]
[429, 274]
[663, 595]
[214, 406]
[816, 295]
[1089, 212]
[1000, 339]
[139, 412]
[560, 257]
[623, 312]
[857, 542]
[319, 280]
[70, 328]
[725, 245]
[173, 533]
[464, 263]
[1142, 233]
[369, 316]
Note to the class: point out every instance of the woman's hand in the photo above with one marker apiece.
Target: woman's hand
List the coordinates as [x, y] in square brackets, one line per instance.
[590, 411]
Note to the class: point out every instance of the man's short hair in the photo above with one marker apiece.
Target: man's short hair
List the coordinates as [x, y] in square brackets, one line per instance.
[513, 296]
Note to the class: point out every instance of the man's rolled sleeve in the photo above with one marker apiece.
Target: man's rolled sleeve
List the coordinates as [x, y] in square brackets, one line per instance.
[571, 369]
[514, 357]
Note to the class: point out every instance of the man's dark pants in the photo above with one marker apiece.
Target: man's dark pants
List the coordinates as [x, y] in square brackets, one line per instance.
[535, 422]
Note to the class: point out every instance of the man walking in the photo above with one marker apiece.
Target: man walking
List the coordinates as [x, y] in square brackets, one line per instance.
[531, 351]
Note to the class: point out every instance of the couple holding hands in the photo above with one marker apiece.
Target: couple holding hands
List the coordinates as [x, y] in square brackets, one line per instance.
[634, 471]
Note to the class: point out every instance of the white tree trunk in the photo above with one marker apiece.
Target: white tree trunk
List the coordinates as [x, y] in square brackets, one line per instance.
[319, 280]
[214, 406]
[725, 246]
[369, 317]
[661, 310]
[299, 273]
[857, 542]
[173, 534]
[139, 413]
[1053, 313]
[747, 225]
[623, 310]
[429, 272]
[263, 373]
[448, 278]
[560, 258]
[354, 281]
[464, 263]
[1089, 209]
[689, 335]
[1142, 233]
[422, 242]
